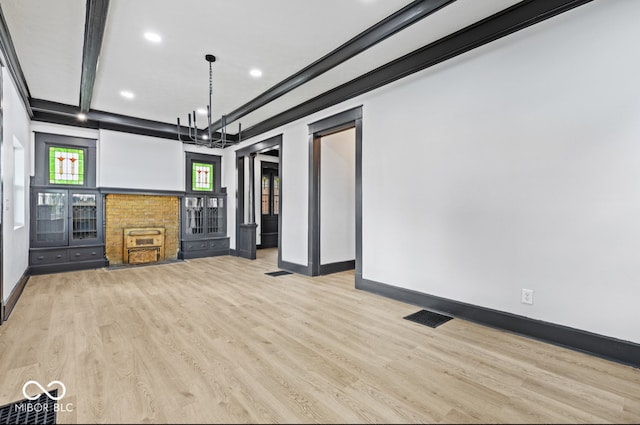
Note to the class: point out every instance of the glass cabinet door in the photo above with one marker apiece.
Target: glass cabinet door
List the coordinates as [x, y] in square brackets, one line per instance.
[50, 218]
[215, 216]
[84, 217]
[193, 218]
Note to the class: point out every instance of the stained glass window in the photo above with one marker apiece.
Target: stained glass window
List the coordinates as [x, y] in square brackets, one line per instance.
[202, 176]
[66, 165]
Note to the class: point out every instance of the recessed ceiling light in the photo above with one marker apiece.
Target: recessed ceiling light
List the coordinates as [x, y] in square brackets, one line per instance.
[205, 137]
[153, 37]
[126, 94]
[82, 117]
[202, 111]
[256, 73]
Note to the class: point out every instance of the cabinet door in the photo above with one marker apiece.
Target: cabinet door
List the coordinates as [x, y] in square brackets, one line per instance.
[193, 220]
[216, 219]
[49, 218]
[84, 218]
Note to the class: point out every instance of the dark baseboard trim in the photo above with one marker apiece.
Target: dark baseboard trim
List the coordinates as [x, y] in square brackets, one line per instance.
[295, 268]
[233, 253]
[337, 267]
[266, 247]
[613, 349]
[246, 254]
[15, 295]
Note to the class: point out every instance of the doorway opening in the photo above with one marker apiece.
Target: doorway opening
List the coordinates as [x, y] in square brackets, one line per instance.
[268, 228]
[335, 194]
[258, 217]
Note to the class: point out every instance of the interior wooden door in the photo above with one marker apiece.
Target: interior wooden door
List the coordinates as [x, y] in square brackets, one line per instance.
[269, 205]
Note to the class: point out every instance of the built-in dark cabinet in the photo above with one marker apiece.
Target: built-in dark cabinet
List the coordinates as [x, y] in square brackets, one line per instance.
[66, 230]
[65, 217]
[203, 212]
[66, 208]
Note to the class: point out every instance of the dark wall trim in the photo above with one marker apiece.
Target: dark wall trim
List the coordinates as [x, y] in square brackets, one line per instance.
[60, 113]
[398, 21]
[13, 64]
[150, 192]
[1, 198]
[598, 345]
[293, 267]
[241, 154]
[351, 118]
[269, 143]
[337, 267]
[15, 295]
[94, 25]
[509, 21]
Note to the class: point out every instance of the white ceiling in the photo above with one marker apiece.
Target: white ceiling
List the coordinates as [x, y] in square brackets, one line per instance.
[170, 79]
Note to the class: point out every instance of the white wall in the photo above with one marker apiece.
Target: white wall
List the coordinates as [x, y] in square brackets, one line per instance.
[517, 167]
[140, 162]
[15, 248]
[338, 197]
[513, 166]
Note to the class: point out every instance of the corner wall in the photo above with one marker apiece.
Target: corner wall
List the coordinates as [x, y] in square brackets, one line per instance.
[512, 166]
[15, 249]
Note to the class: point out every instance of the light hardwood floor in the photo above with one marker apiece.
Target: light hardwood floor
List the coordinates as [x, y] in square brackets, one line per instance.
[216, 340]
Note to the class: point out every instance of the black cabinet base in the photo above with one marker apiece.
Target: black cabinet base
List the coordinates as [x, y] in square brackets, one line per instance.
[210, 247]
[64, 259]
[201, 254]
[67, 267]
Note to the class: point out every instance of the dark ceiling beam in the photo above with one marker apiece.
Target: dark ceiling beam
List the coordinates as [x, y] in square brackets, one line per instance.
[94, 26]
[398, 21]
[508, 21]
[59, 113]
[13, 64]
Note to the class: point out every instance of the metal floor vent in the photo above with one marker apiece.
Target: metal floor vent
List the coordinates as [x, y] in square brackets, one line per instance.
[38, 411]
[278, 273]
[429, 318]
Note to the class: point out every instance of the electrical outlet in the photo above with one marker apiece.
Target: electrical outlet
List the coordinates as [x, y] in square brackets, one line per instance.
[527, 296]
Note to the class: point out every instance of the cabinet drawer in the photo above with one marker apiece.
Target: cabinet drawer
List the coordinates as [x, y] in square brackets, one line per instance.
[195, 246]
[85, 254]
[219, 244]
[49, 256]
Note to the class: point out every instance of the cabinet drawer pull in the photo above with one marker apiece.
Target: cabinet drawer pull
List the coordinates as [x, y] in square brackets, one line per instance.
[94, 253]
[78, 254]
[59, 256]
[40, 257]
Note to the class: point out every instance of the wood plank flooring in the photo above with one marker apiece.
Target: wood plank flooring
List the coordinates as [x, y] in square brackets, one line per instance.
[217, 341]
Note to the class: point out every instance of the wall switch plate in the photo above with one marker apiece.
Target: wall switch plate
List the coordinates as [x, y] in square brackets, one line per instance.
[527, 296]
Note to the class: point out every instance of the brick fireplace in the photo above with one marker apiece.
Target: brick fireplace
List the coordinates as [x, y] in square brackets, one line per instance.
[125, 211]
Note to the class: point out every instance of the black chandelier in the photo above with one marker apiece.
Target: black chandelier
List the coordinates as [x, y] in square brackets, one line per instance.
[206, 138]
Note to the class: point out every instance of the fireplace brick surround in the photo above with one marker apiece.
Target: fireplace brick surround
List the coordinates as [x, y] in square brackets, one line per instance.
[127, 210]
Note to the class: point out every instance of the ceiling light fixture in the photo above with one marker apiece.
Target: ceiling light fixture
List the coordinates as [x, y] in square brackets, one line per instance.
[205, 137]
[153, 37]
[255, 73]
[202, 111]
[82, 117]
[127, 94]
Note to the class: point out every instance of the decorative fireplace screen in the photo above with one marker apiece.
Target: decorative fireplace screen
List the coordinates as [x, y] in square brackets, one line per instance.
[143, 245]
